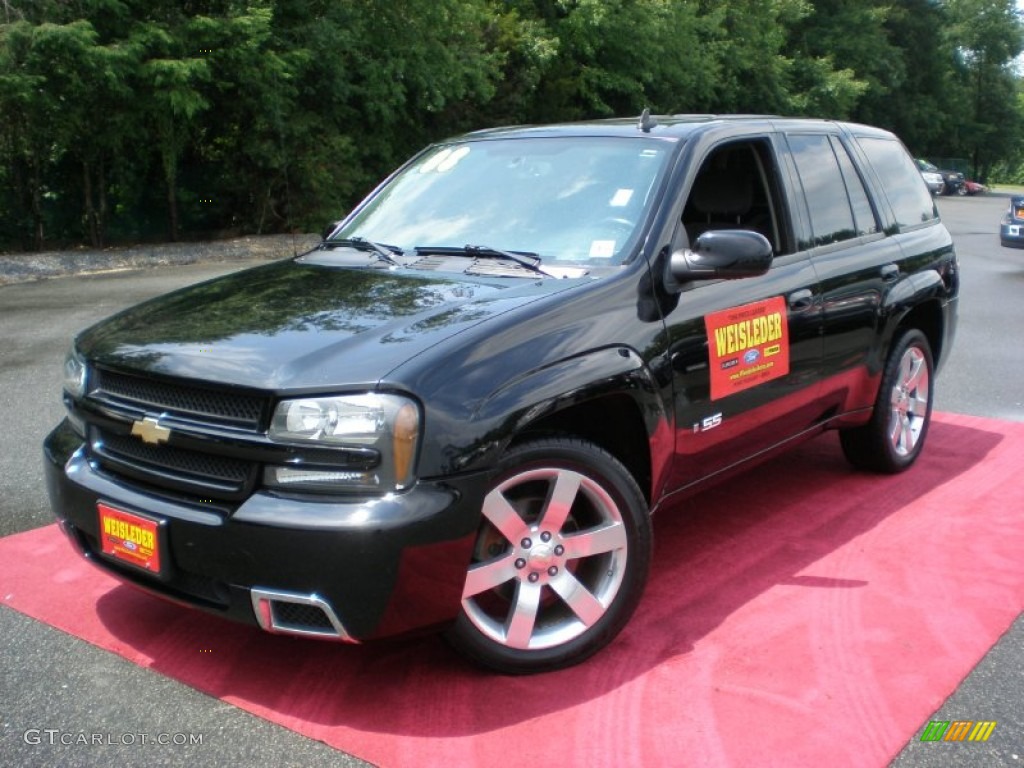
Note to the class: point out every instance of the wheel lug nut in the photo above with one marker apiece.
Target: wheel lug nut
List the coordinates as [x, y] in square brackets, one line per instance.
[553, 570]
[526, 543]
[520, 563]
[534, 576]
[545, 536]
[559, 550]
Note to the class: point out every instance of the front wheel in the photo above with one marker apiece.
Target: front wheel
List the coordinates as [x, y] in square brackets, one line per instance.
[560, 560]
[892, 440]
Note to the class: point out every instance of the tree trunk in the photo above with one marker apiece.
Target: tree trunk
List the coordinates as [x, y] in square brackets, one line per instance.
[90, 210]
[101, 223]
[37, 207]
[172, 206]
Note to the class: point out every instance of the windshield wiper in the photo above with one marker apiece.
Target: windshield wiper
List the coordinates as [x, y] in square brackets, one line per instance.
[530, 261]
[385, 252]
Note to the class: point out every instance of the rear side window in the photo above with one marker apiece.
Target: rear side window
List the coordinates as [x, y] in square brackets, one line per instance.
[901, 181]
[863, 213]
[828, 202]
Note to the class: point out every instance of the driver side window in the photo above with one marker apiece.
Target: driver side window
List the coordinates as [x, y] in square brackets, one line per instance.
[736, 188]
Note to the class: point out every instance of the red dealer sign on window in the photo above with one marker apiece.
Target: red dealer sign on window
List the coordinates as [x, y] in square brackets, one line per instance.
[747, 346]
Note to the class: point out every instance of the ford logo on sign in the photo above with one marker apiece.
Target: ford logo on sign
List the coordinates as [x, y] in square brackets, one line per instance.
[751, 356]
[130, 546]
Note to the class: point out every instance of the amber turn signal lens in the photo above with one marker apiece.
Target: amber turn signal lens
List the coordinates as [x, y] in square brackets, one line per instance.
[405, 436]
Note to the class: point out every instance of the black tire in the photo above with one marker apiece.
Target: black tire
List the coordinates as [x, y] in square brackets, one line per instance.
[561, 559]
[892, 440]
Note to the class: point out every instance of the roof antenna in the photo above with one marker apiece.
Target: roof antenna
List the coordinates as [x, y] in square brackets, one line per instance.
[646, 121]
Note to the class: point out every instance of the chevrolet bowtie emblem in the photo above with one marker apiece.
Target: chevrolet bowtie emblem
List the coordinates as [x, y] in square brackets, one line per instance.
[150, 431]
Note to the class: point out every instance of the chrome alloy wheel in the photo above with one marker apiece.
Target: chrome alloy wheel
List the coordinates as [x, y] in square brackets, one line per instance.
[909, 401]
[550, 561]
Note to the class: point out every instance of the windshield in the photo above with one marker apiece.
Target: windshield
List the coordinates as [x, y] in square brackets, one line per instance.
[568, 200]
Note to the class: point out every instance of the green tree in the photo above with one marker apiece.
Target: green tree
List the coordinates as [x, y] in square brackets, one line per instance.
[171, 75]
[271, 115]
[50, 77]
[921, 100]
[988, 35]
[375, 80]
[596, 58]
[25, 151]
[754, 70]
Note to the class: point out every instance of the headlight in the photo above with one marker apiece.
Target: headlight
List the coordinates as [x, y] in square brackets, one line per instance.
[388, 424]
[74, 374]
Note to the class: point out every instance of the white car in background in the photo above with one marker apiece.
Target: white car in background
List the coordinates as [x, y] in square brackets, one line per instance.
[934, 181]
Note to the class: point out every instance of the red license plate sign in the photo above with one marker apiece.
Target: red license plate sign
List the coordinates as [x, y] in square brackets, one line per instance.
[130, 538]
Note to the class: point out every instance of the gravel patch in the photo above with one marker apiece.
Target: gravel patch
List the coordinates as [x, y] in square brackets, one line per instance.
[25, 267]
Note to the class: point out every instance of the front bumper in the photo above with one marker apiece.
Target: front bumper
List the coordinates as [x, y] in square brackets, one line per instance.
[381, 566]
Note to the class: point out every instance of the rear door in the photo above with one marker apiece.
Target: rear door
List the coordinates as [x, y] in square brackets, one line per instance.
[855, 257]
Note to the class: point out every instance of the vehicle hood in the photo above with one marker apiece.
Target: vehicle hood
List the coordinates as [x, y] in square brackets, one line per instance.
[289, 326]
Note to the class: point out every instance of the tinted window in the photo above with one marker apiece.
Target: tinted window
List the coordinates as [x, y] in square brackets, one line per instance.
[736, 188]
[904, 188]
[863, 214]
[827, 200]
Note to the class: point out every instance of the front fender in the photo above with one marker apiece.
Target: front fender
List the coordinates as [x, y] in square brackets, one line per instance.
[526, 401]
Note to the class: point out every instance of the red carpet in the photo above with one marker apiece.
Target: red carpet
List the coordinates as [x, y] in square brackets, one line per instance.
[803, 614]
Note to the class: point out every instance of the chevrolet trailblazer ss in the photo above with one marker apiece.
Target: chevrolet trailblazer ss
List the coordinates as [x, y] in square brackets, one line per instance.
[462, 408]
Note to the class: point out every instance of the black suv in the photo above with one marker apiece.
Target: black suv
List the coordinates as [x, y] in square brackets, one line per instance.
[461, 409]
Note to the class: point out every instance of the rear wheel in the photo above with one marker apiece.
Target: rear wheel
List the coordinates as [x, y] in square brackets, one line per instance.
[894, 437]
[560, 561]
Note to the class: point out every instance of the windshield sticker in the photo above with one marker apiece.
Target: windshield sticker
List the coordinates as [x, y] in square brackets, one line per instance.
[452, 160]
[747, 346]
[435, 160]
[621, 198]
[602, 249]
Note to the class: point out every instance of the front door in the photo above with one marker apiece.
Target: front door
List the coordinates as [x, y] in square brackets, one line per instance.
[745, 354]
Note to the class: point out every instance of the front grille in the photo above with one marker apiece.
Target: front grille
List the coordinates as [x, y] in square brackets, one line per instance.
[238, 409]
[198, 473]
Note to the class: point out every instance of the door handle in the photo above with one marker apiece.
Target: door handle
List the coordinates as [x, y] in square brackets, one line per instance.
[890, 272]
[801, 300]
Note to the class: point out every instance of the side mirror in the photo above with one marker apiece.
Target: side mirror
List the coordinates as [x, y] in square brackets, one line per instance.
[723, 254]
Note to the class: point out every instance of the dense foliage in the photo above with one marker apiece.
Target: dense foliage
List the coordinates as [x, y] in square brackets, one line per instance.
[142, 119]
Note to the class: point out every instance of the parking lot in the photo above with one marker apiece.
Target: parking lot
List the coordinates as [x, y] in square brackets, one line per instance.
[51, 681]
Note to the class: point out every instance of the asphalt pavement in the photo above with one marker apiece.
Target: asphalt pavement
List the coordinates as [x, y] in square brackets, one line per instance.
[53, 684]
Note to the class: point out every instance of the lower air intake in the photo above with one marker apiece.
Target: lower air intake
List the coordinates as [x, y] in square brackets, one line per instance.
[293, 613]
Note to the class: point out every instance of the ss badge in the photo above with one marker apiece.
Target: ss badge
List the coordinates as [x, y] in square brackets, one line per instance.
[709, 423]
